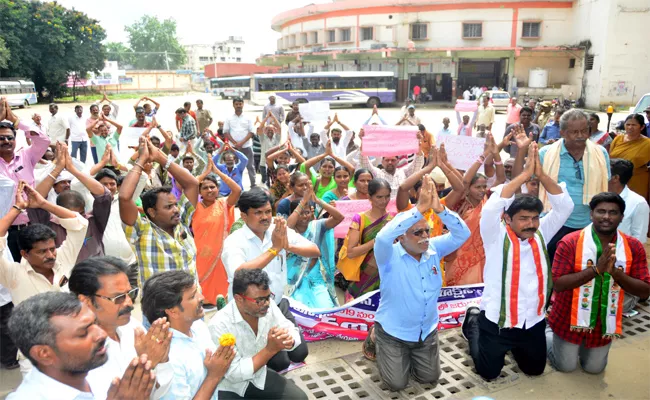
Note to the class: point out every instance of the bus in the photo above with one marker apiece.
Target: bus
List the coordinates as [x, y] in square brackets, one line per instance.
[19, 93]
[353, 87]
[234, 86]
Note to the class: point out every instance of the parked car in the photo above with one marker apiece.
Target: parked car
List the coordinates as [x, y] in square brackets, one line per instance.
[498, 98]
[644, 102]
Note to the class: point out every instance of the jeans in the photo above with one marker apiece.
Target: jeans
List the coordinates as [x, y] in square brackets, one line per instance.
[93, 151]
[564, 356]
[275, 387]
[82, 147]
[250, 167]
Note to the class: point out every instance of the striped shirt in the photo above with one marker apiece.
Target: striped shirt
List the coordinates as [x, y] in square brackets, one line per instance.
[157, 251]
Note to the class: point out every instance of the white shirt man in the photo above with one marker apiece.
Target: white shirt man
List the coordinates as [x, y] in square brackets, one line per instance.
[466, 95]
[635, 218]
[57, 128]
[36, 385]
[296, 139]
[243, 245]
[239, 126]
[340, 149]
[229, 320]
[77, 128]
[120, 354]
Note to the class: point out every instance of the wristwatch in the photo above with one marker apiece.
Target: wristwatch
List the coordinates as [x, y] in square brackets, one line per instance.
[158, 127]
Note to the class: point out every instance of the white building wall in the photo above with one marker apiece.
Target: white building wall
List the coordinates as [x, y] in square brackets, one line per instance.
[555, 23]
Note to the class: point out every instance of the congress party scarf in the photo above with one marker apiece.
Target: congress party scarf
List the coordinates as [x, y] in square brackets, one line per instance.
[602, 296]
[508, 316]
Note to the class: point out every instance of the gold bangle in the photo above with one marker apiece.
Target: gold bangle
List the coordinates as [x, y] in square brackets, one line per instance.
[273, 251]
[595, 270]
[138, 165]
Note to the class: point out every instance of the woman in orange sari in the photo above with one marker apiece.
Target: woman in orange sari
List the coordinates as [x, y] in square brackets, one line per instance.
[634, 147]
[465, 266]
[211, 223]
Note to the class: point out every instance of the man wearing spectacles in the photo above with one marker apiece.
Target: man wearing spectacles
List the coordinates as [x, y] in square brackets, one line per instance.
[262, 333]
[18, 165]
[102, 284]
[411, 279]
[199, 366]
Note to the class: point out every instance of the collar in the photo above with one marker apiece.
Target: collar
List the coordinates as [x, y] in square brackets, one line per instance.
[625, 193]
[35, 378]
[425, 256]
[25, 264]
[249, 234]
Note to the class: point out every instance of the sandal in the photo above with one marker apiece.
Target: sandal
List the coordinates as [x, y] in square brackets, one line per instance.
[369, 347]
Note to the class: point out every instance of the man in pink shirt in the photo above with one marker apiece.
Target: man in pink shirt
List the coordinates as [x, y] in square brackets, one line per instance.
[18, 165]
[512, 113]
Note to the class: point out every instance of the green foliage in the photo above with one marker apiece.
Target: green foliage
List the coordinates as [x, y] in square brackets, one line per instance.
[47, 42]
[116, 51]
[5, 55]
[153, 36]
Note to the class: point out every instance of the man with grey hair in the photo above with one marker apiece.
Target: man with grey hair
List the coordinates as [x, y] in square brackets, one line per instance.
[60, 336]
[581, 165]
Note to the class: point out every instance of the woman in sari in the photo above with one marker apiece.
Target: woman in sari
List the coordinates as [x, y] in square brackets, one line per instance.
[211, 223]
[280, 188]
[634, 147]
[465, 265]
[311, 280]
[324, 181]
[298, 185]
[342, 179]
[362, 178]
[361, 238]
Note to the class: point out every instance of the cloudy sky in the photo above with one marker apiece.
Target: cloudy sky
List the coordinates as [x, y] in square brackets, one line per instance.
[198, 21]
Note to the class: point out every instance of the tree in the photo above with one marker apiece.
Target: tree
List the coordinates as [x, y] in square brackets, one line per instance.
[5, 55]
[149, 35]
[117, 51]
[48, 42]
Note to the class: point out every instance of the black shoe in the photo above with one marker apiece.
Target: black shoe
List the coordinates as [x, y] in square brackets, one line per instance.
[10, 366]
[471, 317]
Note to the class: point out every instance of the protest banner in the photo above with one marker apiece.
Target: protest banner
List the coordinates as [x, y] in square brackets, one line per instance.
[315, 112]
[466, 105]
[353, 320]
[350, 207]
[462, 151]
[385, 140]
[130, 136]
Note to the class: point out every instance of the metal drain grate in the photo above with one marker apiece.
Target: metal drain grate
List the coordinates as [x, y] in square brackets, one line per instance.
[451, 382]
[637, 325]
[332, 379]
[643, 306]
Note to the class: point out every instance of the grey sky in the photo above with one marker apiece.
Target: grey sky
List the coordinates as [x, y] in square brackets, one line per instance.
[198, 21]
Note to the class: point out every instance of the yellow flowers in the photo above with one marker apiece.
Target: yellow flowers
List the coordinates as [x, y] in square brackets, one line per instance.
[227, 339]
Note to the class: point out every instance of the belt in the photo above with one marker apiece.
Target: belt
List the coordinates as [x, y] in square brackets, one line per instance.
[18, 227]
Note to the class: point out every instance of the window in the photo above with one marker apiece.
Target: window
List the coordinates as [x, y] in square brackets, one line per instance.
[589, 62]
[346, 35]
[418, 31]
[331, 36]
[531, 29]
[238, 49]
[572, 63]
[314, 37]
[367, 33]
[223, 58]
[303, 39]
[473, 31]
[203, 59]
[238, 59]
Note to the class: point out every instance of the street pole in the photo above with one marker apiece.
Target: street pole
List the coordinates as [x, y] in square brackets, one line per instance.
[166, 60]
[610, 111]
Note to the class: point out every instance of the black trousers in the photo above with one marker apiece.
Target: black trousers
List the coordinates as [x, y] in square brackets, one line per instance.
[552, 245]
[12, 241]
[283, 359]
[275, 387]
[8, 350]
[488, 345]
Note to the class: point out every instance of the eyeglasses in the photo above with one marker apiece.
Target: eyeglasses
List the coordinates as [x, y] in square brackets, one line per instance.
[419, 232]
[7, 138]
[578, 171]
[260, 300]
[121, 298]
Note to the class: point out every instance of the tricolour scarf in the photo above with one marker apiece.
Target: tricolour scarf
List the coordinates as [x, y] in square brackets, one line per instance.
[508, 316]
[602, 296]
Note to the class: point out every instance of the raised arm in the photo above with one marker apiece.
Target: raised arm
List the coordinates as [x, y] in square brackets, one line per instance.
[137, 103]
[403, 199]
[183, 177]
[456, 195]
[46, 184]
[93, 186]
[522, 141]
[313, 161]
[344, 163]
[154, 102]
[128, 209]
[91, 127]
[117, 126]
[235, 190]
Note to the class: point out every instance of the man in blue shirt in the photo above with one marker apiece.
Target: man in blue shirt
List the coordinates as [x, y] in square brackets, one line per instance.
[551, 132]
[407, 318]
[234, 169]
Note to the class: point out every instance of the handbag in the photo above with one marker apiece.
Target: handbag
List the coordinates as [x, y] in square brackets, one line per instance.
[350, 267]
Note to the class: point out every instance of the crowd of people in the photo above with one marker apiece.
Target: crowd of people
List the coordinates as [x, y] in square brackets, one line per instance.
[555, 233]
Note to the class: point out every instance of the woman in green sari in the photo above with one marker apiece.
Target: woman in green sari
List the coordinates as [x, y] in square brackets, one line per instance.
[361, 238]
[311, 280]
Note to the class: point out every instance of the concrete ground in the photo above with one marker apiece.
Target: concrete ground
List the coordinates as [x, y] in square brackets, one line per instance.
[626, 376]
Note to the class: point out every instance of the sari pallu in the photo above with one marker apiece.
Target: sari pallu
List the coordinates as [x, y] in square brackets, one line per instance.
[211, 226]
[465, 265]
[311, 280]
[366, 283]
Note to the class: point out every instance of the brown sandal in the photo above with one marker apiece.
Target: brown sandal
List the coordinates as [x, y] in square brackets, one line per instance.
[369, 348]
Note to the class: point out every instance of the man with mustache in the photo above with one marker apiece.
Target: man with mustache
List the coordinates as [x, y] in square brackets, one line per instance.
[411, 278]
[102, 284]
[262, 333]
[162, 239]
[60, 336]
[263, 243]
[517, 274]
[339, 143]
[198, 365]
[575, 160]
